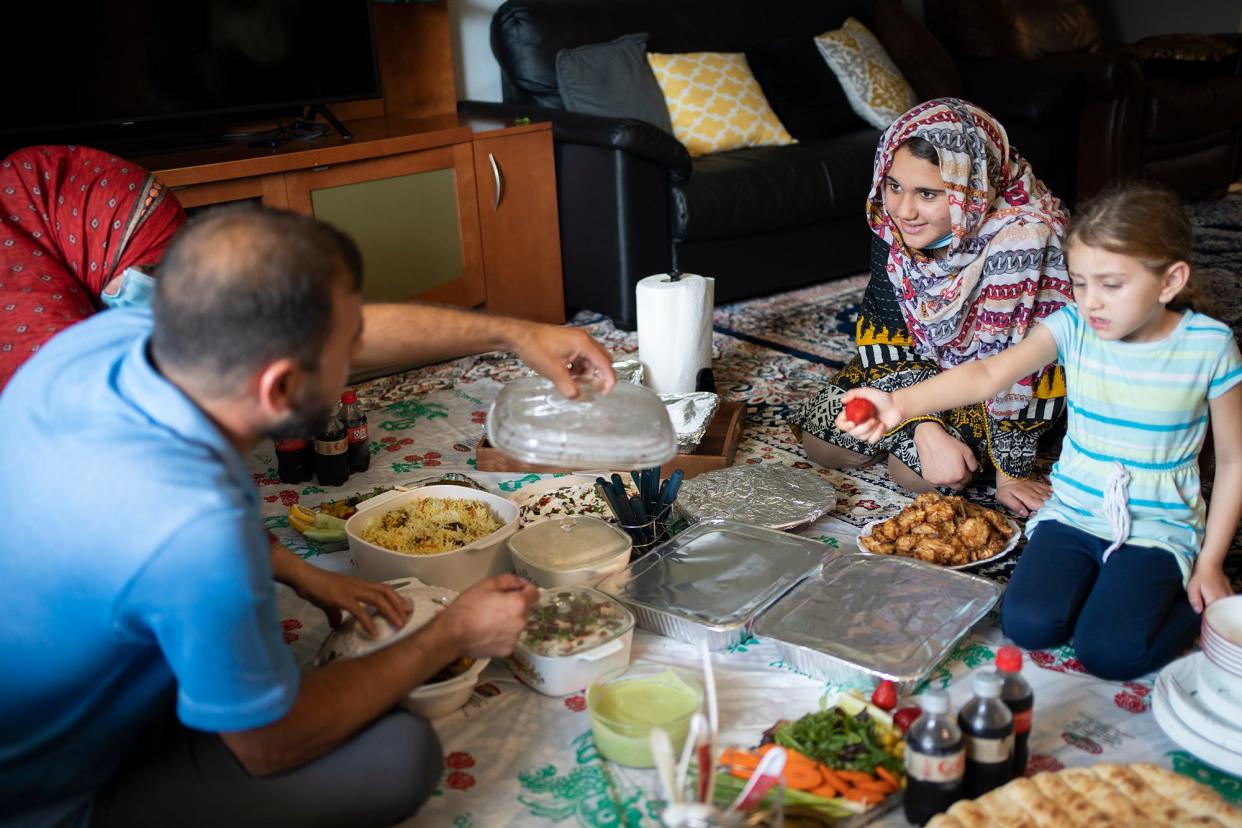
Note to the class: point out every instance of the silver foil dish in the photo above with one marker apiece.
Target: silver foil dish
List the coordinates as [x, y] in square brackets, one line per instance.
[862, 618]
[769, 494]
[711, 581]
[629, 370]
[691, 413]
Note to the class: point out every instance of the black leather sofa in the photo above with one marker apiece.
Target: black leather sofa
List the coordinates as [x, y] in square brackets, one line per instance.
[759, 220]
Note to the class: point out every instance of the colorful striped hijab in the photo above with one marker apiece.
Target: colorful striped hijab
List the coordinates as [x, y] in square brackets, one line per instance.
[1004, 268]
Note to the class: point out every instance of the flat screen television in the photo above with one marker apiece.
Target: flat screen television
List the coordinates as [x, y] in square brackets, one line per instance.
[149, 73]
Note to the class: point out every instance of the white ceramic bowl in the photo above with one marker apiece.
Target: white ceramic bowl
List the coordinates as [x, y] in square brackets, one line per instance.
[430, 700]
[458, 569]
[1222, 622]
[559, 675]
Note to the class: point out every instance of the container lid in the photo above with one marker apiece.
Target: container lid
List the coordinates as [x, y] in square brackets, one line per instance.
[569, 543]
[570, 620]
[628, 427]
[349, 640]
[716, 573]
[893, 617]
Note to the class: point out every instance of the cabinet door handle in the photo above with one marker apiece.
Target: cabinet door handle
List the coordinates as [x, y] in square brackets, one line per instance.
[500, 183]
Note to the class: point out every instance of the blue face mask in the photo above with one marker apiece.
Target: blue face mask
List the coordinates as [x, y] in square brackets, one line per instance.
[135, 291]
[943, 241]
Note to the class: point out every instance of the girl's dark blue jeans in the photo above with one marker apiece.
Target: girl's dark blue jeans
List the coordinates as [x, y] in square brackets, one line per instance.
[1125, 618]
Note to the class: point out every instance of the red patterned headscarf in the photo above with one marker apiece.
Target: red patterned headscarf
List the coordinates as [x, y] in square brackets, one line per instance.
[1004, 268]
[71, 218]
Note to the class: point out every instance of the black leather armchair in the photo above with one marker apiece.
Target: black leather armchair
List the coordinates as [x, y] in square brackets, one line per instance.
[633, 202]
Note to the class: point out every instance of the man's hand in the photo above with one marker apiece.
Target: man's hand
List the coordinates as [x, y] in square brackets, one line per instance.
[945, 460]
[333, 592]
[486, 619]
[1022, 497]
[560, 354]
[1207, 584]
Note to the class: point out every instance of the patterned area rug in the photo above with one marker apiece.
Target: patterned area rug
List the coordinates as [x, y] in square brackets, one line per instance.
[772, 353]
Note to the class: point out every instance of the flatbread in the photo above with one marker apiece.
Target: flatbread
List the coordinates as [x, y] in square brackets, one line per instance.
[1100, 795]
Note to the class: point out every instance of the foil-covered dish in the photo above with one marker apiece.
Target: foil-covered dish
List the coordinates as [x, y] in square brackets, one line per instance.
[446, 479]
[710, 582]
[690, 414]
[862, 618]
[629, 370]
[771, 495]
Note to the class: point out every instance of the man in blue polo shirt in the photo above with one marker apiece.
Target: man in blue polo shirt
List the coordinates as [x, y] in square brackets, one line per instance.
[136, 575]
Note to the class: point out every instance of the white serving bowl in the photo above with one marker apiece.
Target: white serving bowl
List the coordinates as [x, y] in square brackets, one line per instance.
[350, 641]
[569, 551]
[1222, 624]
[580, 663]
[458, 569]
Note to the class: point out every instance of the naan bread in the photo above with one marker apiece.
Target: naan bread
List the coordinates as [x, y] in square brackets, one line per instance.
[1126, 796]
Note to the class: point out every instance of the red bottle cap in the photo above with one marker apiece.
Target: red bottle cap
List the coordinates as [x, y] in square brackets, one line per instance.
[349, 397]
[1009, 659]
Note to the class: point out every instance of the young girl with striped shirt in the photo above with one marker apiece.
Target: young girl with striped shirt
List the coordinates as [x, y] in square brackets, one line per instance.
[1124, 554]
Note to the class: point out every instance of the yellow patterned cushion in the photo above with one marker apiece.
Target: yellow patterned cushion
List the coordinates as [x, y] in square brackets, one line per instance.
[715, 103]
[872, 82]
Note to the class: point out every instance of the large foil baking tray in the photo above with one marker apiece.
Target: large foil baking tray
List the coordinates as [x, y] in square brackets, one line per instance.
[710, 582]
[863, 617]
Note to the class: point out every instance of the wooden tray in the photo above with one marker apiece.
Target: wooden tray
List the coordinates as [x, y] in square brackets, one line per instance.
[716, 450]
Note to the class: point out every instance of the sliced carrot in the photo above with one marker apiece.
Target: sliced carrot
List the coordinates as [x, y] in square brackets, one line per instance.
[741, 773]
[737, 758]
[867, 797]
[887, 775]
[834, 779]
[854, 777]
[826, 790]
[793, 757]
[877, 785]
[802, 778]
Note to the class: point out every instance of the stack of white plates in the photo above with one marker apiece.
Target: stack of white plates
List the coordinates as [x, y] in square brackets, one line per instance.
[1198, 699]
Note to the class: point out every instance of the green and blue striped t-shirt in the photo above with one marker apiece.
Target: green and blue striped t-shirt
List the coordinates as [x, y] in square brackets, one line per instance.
[1145, 405]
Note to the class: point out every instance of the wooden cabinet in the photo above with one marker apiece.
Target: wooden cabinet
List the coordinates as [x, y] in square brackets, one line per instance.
[516, 181]
[444, 209]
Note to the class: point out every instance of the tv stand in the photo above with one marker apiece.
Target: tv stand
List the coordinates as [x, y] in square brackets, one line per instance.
[448, 209]
[333, 121]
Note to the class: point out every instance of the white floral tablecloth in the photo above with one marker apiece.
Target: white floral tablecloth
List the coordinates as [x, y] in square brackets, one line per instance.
[517, 758]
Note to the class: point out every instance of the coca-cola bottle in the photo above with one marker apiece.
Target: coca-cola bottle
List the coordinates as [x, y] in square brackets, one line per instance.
[1018, 696]
[935, 760]
[332, 451]
[356, 429]
[293, 463]
[987, 726]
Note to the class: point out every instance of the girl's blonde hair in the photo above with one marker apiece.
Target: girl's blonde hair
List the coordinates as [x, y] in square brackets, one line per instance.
[1147, 222]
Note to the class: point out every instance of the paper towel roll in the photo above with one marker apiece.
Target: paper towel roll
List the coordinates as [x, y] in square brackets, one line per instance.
[675, 330]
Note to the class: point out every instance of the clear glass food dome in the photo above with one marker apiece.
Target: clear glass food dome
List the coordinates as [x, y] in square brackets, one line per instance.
[628, 427]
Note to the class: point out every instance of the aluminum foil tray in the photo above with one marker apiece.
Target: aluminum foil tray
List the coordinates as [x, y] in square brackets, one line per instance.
[772, 495]
[710, 582]
[866, 617]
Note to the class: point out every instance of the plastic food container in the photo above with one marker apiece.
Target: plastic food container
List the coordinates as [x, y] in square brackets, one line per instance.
[432, 699]
[626, 704]
[569, 551]
[456, 569]
[573, 636]
[627, 428]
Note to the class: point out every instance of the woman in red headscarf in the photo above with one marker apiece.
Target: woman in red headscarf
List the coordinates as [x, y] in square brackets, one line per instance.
[79, 230]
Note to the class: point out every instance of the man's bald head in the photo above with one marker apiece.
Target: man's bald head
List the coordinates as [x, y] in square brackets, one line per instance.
[242, 287]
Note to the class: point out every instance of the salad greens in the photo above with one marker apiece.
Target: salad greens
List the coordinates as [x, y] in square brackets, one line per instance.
[839, 740]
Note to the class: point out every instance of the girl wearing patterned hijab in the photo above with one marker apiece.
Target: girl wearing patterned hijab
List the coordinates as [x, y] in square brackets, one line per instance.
[966, 257]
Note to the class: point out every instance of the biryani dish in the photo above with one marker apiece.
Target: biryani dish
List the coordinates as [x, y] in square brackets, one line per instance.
[430, 525]
[941, 530]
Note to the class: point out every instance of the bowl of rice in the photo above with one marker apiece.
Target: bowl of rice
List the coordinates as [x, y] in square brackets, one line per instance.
[446, 536]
